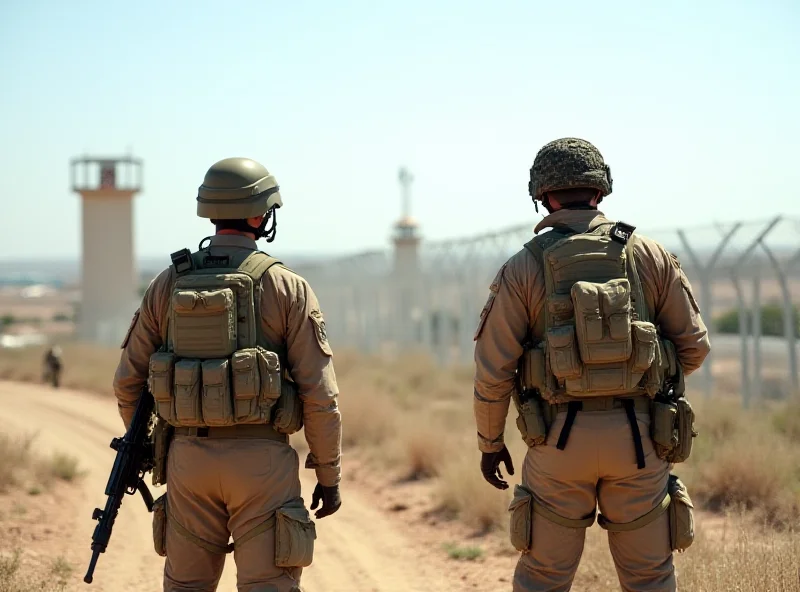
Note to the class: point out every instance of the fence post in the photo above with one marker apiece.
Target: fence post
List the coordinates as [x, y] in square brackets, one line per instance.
[756, 325]
[705, 272]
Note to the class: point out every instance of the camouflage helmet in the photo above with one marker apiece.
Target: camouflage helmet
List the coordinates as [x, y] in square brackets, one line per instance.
[569, 163]
[237, 189]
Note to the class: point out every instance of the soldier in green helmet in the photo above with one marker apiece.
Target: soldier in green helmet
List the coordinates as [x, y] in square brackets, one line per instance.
[233, 347]
[589, 329]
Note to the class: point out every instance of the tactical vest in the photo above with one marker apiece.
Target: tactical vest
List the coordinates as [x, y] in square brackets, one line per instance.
[594, 338]
[216, 367]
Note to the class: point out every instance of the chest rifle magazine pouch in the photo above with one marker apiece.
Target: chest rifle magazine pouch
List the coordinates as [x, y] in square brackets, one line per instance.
[160, 525]
[521, 518]
[217, 404]
[159, 381]
[295, 534]
[681, 515]
[187, 394]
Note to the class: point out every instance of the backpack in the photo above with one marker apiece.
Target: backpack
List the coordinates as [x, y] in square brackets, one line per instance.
[215, 367]
[596, 339]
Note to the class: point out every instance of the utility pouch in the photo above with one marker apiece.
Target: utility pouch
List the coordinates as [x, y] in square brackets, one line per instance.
[160, 525]
[162, 435]
[204, 323]
[159, 382]
[187, 394]
[562, 353]
[295, 534]
[531, 423]
[217, 407]
[532, 369]
[288, 412]
[603, 320]
[681, 515]
[246, 385]
[685, 431]
[663, 419]
[521, 519]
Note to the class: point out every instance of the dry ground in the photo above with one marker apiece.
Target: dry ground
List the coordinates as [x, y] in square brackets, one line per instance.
[417, 513]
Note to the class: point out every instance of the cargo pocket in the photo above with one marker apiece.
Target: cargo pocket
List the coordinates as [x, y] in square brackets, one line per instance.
[217, 407]
[662, 428]
[160, 525]
[159, 381]
[521, 519]
[681, 515]
[246, 385]
[563, 352]
[294, 535]
[187, 393]
[531, 424]
[686, 431]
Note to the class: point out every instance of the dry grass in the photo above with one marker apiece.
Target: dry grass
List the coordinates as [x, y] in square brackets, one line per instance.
[17, 576]
[21, 466]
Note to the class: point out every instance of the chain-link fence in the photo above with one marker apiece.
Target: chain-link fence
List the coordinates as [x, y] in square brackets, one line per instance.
[428, 295]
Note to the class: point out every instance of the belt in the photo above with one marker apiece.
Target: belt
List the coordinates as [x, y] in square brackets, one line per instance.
[640, 404]
[244, 431]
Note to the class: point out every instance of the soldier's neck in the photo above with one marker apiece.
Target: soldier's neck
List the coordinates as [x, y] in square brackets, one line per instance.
[230, 231]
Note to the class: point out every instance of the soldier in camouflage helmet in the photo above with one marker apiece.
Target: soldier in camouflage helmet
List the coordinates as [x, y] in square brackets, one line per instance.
[233, 347]
[589, 330]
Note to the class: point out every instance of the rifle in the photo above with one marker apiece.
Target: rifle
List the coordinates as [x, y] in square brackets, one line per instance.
[134, 459]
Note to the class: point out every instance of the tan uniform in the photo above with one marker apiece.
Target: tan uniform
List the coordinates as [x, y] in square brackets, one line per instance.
[598, 465]
[219, 487]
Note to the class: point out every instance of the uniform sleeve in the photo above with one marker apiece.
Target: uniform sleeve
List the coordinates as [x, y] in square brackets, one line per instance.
[311, 365]
[503, 326]
[677, 314]
[142, 340]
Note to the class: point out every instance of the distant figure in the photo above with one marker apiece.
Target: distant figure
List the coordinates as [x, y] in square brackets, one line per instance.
[52, 366]
[589, 330]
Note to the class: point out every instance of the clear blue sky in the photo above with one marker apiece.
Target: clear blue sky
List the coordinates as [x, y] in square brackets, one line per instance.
[695, 105]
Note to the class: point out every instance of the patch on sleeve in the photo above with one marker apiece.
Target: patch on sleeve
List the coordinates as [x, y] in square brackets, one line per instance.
[320, 332]
[687, 287]
[134, 320]
[494, 288]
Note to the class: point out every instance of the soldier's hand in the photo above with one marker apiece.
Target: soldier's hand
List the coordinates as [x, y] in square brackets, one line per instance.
[490, 467]
[330, 498]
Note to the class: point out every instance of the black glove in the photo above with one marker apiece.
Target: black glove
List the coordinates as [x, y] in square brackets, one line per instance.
[331, 500]
[490, 467]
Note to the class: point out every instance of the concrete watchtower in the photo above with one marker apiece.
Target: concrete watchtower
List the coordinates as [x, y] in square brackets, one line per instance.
[108, 271]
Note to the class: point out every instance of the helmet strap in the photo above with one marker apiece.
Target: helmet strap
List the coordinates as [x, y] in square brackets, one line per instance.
[262, 231]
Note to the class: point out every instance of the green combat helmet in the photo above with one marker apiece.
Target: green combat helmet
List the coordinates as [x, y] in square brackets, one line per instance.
[569, 163]
[238, 189]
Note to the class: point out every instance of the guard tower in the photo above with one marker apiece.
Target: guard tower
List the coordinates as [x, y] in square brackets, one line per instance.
[406, 272]
[108, 272]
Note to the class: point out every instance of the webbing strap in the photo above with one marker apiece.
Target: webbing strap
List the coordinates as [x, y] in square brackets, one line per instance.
[560, 520]
[637, 293]
[257, 264]
[639, 522]
[630, 411]
[221, 549]
[572, 410]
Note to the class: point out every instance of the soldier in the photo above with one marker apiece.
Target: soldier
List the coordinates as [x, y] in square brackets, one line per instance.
[234, 349]
[52, 366]
[590, 330]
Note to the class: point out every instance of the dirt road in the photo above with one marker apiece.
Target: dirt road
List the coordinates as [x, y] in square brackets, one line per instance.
[358, 549]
